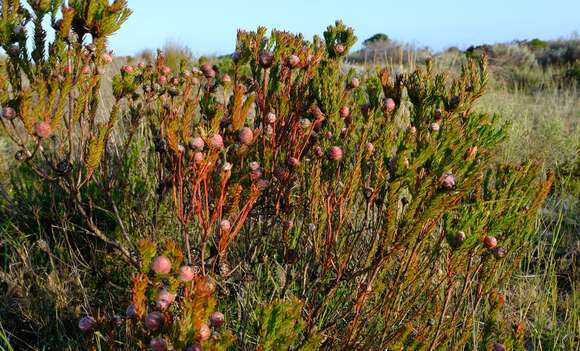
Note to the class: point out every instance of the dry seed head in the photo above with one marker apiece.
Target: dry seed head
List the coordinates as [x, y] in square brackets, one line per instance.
[207, 70]
[154, 321]
[236, 55]
[225, 225]
[161, 265]
[335, 153]
[271, 118]
[390, 103]
[204, 332]
[164, 294]
[42, 129]
[107, 57]
[246, 136]
[266, 59]
[318, 151]
[186, 273]
[447, 180]
[217, 319]
[216, 141]
[344, 111]
[130, 312]
[490, 242]
[197, 143]
[293, 61]
[127, 69]
[158, 344]
[8, 113]
[198, 157]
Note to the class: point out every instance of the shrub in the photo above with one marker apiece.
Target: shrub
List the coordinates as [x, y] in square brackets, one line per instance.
[324, 215]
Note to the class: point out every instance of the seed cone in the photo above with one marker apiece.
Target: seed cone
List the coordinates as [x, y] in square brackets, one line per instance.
[390, 104]
[490, 242]
[246, 136]
[216, 141]
[161, 265]
[186, 273]
[217, 319]
[266, 59]
[447, 180]
[204, 332]
[87, 324]
[158, 344]
[154, 321]
[207, 70]
[8, 113]
[42, 129]
[293, 61]
[335, 153]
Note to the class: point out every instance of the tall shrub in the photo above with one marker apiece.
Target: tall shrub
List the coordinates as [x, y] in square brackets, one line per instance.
[310, 206]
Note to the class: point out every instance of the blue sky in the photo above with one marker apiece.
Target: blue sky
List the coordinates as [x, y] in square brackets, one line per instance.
[209, 26]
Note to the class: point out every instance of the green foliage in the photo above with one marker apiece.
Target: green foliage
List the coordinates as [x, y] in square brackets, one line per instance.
[318, 212]
[279, 324]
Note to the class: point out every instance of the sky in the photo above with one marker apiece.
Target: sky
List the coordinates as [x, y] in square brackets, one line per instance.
[209, 26]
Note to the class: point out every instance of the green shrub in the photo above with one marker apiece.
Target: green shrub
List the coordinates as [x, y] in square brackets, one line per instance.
[327, 212]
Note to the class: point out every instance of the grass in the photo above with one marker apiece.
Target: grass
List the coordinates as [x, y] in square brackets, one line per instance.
[545, 126]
